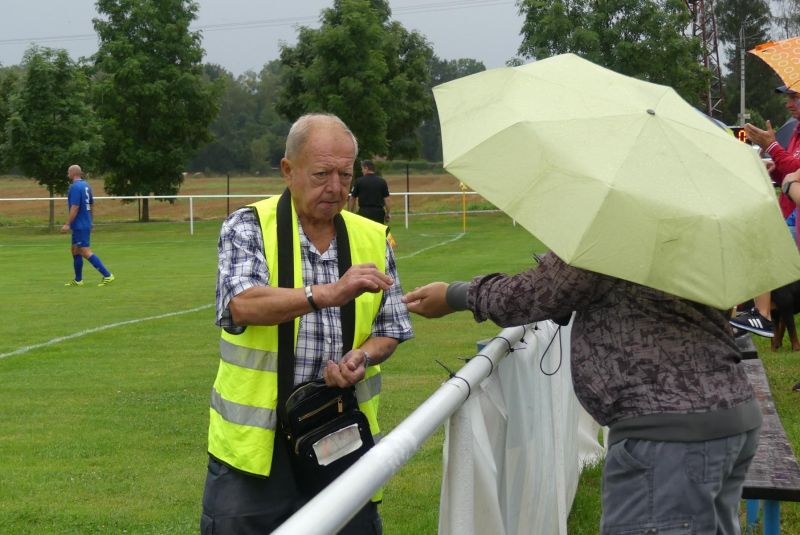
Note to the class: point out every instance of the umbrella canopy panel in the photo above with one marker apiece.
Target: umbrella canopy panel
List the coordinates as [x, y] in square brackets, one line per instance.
[618, 176]
[784, 58]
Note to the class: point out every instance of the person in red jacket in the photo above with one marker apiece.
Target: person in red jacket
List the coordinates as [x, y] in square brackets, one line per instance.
[785, 160]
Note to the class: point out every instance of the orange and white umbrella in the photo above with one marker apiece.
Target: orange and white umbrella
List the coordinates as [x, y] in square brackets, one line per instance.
[784, 58]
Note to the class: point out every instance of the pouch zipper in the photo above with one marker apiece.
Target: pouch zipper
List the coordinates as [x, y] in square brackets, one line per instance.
[337, 400]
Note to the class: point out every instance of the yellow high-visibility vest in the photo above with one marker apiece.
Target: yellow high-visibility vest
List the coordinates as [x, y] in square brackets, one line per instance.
[244, 398]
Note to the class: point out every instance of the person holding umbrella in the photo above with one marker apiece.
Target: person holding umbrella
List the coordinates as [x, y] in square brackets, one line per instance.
[660, 371]
[648, 250]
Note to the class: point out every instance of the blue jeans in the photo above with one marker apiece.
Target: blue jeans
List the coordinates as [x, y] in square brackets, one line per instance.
[676, 487]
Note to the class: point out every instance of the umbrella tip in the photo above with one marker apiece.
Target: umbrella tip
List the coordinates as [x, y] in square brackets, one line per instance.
[651, 111]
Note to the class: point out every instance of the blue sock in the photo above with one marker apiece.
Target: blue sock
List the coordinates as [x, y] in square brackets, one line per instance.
[98, 265]
[77, 263]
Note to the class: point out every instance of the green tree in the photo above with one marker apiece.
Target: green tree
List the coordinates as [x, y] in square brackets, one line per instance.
[9, 77]
[365, 68]
[50, 124]
[741, 25]
[442, 71]
[267, 149]
[249, 134]
[641, 38]
[150, 92]
[786, 18]
[232, 129]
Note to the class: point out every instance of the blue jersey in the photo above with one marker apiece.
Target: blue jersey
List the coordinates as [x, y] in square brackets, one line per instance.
[80, 195]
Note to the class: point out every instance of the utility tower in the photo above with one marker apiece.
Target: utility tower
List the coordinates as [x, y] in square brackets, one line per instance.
[704, 27]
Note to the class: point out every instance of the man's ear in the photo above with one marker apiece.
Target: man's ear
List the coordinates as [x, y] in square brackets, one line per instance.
[286, 171]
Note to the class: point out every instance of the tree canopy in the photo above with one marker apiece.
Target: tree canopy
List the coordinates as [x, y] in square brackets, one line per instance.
[442, 71]
[786, 18]
[741, 25]
[9, 78]
[641, 38]
[50, 124]
[248, 131]
[150, 94]
[365, 68]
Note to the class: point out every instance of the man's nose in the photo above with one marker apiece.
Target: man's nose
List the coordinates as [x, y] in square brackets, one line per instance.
[336, 181]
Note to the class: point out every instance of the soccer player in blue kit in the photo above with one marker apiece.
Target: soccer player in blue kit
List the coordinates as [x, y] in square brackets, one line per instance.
[80, 200]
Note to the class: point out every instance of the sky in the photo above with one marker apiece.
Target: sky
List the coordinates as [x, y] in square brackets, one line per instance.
[243, 35]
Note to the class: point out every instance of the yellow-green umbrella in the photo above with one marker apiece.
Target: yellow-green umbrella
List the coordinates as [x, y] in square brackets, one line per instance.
[619, 176]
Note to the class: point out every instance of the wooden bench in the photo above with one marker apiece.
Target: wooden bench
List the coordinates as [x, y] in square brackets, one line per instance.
[774, 475]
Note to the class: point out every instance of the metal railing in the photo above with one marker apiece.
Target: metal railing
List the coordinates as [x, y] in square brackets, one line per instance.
[332, 508]
[191, 198]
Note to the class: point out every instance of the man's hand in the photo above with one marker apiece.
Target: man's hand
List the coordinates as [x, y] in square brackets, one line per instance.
[429, 301]
[358, 279]
[65, 228]
[348, 372]
[762, 138]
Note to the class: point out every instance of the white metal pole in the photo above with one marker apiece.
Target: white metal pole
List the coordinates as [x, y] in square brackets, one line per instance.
[332, 508]
[191, 217]
[405, 204]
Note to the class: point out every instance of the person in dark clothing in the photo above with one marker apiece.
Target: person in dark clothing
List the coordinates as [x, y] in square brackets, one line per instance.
[372, 193]
[662, 372]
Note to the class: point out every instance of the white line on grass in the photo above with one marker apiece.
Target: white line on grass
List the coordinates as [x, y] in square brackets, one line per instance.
[98, 329]
[129, 322]
[415, 253]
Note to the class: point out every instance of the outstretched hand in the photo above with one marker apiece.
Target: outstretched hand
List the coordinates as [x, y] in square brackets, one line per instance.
[429, 301]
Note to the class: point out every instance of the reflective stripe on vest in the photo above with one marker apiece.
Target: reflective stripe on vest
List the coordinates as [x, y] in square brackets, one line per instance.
[243, 414]
[244, 397]
[245, 357]
[368, 388]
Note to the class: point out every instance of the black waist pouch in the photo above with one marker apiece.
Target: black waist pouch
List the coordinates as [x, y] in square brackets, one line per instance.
[326, 432]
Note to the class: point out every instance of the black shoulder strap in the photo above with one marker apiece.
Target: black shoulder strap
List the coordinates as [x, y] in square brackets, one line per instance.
[348, 311]
[286, 232]
[285, 280]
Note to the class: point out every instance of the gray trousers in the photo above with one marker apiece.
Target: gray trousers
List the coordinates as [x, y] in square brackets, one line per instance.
[675, 488]
[235, 503]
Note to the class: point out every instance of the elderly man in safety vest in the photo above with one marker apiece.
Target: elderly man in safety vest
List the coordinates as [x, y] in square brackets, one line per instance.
[250, 486]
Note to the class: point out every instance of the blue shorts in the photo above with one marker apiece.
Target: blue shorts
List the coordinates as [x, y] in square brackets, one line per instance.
[80, 237]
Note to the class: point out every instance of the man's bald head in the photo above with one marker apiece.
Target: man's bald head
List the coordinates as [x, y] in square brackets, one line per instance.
[74, 171]
[302, 127]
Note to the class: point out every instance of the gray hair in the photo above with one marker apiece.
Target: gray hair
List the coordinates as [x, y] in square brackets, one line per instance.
[298, 133]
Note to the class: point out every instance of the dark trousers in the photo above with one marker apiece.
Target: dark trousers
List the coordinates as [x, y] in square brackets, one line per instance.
[241, 504]
[375, 213]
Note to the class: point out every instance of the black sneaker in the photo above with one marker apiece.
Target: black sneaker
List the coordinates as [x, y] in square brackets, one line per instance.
[754, 322]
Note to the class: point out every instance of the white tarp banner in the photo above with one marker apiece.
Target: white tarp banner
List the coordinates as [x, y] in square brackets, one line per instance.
[513, 452]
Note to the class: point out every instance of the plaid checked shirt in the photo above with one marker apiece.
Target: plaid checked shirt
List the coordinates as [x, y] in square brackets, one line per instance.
[242, 265]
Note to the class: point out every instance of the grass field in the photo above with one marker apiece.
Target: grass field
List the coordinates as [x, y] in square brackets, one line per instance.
[104, 390]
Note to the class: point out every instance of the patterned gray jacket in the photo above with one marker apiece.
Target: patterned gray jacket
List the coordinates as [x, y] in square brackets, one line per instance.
[648, 364]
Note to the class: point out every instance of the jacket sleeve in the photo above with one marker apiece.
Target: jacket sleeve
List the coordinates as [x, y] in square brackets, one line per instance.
[552, 290]
[785, 163]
